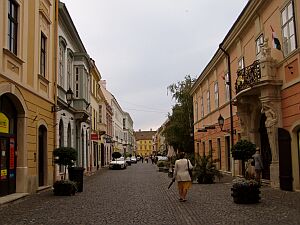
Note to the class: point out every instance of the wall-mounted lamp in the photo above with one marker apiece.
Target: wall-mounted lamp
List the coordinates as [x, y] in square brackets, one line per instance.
[221, 124]
[69, 97]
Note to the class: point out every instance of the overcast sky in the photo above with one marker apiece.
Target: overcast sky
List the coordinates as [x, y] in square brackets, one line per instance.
[142, 46]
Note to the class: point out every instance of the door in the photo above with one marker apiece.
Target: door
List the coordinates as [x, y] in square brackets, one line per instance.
[7, 166]
[227, 147]
[42, 153]
[285, 160]
[102, 155]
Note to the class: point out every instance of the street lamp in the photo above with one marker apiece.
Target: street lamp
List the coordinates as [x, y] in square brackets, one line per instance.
[221, 122]
[69, 98]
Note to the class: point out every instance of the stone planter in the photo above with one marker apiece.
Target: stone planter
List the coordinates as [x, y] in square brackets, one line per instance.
[245, 192]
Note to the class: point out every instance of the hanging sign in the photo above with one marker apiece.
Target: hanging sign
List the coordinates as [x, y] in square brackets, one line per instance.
[4, 124]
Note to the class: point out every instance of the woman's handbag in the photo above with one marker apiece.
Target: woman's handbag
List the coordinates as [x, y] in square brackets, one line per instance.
[190, 171]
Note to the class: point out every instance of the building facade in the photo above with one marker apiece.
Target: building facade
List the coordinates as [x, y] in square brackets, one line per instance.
[128, 133]
[27, 73]
[263, 77]
[73, 119]
[144, 142]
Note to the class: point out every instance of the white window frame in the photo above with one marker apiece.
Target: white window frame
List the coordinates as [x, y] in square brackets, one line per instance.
[202, 107]
[259, 43]
[208, 101]
[216, 92]
[227, 89]
[288, 29]
[61, 69]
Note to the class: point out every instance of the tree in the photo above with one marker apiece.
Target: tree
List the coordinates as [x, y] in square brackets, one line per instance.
[179, 129]
[65, 156]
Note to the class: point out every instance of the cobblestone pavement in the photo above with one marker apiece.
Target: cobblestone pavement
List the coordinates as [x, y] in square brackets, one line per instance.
[139, 195]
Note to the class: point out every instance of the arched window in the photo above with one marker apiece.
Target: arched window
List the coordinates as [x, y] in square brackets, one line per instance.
[69, 142]
[61, 134]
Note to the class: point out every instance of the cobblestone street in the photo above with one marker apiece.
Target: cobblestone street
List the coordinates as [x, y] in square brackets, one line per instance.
[139, 195]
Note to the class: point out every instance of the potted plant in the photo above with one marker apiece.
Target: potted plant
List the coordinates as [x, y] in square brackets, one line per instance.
[64, 156]
[205, 170]
[244, 190]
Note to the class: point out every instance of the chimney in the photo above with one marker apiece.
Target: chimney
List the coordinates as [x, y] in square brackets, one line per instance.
[139, 130]
[150, 129]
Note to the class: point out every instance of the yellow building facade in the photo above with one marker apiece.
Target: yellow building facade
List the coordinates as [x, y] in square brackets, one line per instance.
[144, 142]
[265, 80]
[27, 77]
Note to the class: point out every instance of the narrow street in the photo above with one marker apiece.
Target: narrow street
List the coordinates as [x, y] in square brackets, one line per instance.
[139, 195]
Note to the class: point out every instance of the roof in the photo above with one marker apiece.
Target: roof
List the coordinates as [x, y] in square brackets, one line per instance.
[144, 135]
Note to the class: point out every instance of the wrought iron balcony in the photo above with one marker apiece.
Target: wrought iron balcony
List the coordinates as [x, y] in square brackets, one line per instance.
[248, 77]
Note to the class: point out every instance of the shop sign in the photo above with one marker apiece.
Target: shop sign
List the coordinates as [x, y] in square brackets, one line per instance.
[4, 124]
[94, 137]
[3, 174]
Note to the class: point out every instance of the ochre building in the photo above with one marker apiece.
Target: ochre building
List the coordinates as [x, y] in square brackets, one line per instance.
[262, 50]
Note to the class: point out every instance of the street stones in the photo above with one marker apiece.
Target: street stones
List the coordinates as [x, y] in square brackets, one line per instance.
[140, 195]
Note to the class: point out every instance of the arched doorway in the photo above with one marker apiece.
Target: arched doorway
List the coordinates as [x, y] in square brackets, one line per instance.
[69, 138]
[42, 151]
[8, 143]
[266, 153]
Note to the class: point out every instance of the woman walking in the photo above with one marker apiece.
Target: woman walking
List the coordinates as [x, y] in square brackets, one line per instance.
[181, 174]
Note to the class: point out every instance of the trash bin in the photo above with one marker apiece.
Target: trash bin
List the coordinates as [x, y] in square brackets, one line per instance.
[76, 175]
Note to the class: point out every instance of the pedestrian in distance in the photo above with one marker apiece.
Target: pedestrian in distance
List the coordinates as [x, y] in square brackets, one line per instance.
[142, 158]
[258, 165]
[182, 176]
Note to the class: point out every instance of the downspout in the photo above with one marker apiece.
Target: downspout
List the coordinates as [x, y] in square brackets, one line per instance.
[55, 80]
[230, 100]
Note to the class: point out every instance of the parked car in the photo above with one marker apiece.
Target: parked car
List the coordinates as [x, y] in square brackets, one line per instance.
[133, 159]
[128, 161]
[162, 158]
[119, 163]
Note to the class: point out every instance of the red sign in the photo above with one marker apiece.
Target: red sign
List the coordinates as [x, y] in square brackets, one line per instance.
[12, 153]
[94, 137]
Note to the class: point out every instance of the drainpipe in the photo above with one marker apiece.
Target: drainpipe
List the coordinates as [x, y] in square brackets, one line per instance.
[230, 100]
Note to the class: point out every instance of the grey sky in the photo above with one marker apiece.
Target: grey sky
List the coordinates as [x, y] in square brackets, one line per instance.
[142, 46]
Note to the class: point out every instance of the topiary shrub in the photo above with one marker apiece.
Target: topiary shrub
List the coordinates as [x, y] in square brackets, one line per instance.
[64, 188]
[243, 150]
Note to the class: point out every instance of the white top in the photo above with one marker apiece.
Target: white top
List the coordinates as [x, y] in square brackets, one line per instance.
[181, 172]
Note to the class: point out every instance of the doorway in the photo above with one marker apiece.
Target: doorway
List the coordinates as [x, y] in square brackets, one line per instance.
[227, 149]
[42, 163]
[266, 153]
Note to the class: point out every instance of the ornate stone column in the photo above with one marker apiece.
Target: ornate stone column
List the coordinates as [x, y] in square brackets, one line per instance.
[270, 98]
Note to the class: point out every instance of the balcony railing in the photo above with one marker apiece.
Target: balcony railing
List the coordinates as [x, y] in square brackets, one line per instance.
[247, 77]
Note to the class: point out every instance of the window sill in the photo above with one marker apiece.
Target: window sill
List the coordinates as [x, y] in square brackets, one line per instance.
[44, 79]
[12, 55]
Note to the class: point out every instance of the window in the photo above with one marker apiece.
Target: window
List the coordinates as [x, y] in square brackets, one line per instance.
[203, 147]
[12, 26]
[210, 147]
[69, 71]
[76, 82]
[288, 28]
[208, 102]
[100, 113]
[196, 111]
[202, 108]
[259, 43]
[227, 86]
[43, 55]
[61, 64]
[216, 88]
[241, 64]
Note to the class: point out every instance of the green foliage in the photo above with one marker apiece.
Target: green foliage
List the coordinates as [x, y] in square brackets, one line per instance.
[65, 156]
[64, 188]
[116, 155]
[180, 126]
[243, 150]
[205, 170]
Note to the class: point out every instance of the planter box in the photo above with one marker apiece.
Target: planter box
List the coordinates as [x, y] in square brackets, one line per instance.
[246, 195]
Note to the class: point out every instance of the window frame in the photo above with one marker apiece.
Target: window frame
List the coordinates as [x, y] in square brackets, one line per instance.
[286, 45]
[12, 29]
[43, 55]
[208, 102]
[216, 93]
[258, 45]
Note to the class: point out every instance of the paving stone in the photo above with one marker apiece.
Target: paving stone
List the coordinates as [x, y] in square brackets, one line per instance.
[139, 195]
